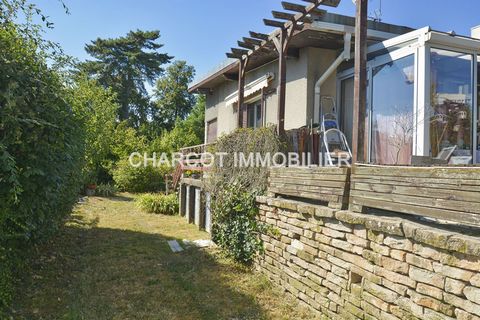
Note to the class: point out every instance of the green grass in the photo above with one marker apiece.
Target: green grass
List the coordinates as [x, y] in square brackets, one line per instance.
[111, 261]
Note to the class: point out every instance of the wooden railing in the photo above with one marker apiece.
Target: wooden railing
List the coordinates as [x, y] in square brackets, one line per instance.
[193, 163]
[326, 184]
[442, 193]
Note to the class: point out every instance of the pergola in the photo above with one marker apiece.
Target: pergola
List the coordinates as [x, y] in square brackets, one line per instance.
[287, 24]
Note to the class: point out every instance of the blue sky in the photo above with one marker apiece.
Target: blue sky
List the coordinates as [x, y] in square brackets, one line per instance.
[201, 31]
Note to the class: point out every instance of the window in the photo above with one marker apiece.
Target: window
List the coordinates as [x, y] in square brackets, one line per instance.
[346, 108]
[392, 123]
[211, 130]
[451, 102]
[254, 115]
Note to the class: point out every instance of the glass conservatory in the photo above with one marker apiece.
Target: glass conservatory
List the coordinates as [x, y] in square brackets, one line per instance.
[422, 98]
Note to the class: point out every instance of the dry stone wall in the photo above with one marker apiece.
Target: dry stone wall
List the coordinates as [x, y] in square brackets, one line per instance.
[350, 265]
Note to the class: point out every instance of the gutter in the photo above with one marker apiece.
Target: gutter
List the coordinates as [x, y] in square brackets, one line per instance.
[344, 56]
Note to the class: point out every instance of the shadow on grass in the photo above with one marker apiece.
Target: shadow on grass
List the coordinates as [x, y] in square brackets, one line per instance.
[100, 273]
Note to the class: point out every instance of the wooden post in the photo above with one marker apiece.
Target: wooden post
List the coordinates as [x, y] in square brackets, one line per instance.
[282, 70]
[241, 91]
[360, 86]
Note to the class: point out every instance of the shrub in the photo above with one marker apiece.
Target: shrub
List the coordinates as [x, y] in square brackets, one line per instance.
[141, 179]
[235, 228]
[233, 189]
[158, 203]
[106, 190]
[41, 151]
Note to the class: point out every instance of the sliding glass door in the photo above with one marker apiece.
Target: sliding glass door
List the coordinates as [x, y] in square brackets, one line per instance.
[392, 111]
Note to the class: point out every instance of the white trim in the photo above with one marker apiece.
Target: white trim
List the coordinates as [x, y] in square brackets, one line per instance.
[250, 89]
[475, 109]
[342, 29]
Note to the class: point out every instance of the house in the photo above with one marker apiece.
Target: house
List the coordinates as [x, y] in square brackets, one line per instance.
[422, 85]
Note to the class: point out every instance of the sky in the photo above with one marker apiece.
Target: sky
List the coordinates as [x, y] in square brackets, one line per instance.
[201, 31]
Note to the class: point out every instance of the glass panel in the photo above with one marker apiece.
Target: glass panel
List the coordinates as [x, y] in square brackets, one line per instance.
[451, 106]
[392, 112]
[258, 116]
[251, 116]
[346, 108]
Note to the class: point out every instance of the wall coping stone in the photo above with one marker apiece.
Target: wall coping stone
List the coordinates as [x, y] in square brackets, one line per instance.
[421, 233]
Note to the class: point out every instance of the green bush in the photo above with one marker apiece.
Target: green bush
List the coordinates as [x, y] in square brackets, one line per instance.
[41, 152]
[233, 189]
[141, 179]
[235, 228]
[105, 190]
[158, 203]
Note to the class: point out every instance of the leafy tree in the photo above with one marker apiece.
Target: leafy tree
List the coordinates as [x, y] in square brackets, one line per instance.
[188, 132]
[98, 110]
[125, 64]
[173, 99]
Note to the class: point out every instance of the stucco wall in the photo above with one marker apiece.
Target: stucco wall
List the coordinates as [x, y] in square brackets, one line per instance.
[302, 73]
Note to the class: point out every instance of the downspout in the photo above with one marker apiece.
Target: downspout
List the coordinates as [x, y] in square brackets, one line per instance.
[344, 56]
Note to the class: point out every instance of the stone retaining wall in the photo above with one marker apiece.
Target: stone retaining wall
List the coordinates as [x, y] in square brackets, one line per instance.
[350, 265]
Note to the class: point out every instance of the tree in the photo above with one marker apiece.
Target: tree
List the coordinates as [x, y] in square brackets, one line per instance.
[125, 64]
[98, 109]
[188, 132]
[173, 99]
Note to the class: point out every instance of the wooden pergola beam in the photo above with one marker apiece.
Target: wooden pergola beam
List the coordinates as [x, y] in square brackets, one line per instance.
[255, 42]
[293, 7]
[258, 35]
[328, 3]
[246, 45]
[238, 51]
[274, 23]
[283, 15]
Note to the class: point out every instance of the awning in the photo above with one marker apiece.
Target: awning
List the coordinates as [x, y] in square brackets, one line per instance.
[251, 88]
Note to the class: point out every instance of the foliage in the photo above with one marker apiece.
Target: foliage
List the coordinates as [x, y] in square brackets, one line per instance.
[158, 203]
[106, 190]
[233, 190]
[235, 228]
[41, 149]
[126, 140]
[188, 132]
[141, 179]
[124, 64]
[98, 110]
[173, 99]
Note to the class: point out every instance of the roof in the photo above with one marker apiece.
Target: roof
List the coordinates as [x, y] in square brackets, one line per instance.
[325, 31]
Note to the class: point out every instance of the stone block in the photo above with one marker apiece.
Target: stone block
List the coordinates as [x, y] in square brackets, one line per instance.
[360, 231]
[433, 237]
[383, 250]
[465, 244]
[340, 244]
[338, 225]
[431, 291]
[472, 294]
[452, 272]
[410, 306]
[380, 292]
[398, 255]
[398, 288]
[454, 286]
[463, 315]
[350, 217]
[379, 303]
[398, 243]
[375, 236]
[427, 277]
[324, 212]
[373, 257]
[462, 303]
[394, 265]
[475, 280]
[384, 224]
[427, 252]
[430, 303]
[460, 260]
[419, 262]
[357, 241]
[333, 233]
[396, 277]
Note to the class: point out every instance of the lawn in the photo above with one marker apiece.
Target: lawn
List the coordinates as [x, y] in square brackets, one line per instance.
[112, 261]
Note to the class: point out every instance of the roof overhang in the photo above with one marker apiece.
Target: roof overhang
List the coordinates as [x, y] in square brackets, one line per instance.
[325, 32]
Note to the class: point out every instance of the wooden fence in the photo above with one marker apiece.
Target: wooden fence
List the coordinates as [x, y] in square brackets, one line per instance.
[444, 193]
[327, 184]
